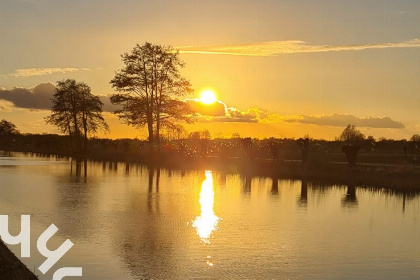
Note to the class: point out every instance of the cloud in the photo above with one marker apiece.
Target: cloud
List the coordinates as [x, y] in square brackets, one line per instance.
[37, 98]
[217, 109]
[219, 112]
[5, 106]
[274, 48]
[30, 72]
[343, 120]
[108, 106]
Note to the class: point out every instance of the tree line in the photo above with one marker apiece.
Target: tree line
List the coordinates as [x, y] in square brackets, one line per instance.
[148, 89]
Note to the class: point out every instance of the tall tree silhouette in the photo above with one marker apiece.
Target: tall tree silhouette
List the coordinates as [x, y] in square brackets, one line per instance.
[76, 112]
[149, 87]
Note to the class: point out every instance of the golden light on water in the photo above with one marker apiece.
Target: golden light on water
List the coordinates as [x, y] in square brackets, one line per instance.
[207, 222]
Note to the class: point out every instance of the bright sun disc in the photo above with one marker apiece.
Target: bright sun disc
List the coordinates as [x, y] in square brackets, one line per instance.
[208, 97]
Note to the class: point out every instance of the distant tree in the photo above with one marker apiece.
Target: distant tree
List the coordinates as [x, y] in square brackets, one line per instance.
[235, 135]
[205, 134]
[76, 112]
[371, 141]
[415, 138]
[303, 144]
[175, 131]
[148, 88]
[352, 138]
[195, 135]
[7, 128]
[218, 135]
[351, 135]
[370, 138]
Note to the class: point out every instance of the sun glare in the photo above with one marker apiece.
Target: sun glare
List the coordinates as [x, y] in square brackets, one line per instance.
[207, 222]
[208, 97]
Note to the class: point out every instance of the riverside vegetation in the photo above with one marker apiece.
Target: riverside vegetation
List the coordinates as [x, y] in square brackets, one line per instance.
[149, 88]
[384, 163]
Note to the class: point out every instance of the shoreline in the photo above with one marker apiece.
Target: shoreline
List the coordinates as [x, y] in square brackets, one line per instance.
[11, 267]
[398, 177]
[404, 178]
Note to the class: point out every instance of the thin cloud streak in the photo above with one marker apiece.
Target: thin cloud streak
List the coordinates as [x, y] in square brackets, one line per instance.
[274, 48]
[30, 72]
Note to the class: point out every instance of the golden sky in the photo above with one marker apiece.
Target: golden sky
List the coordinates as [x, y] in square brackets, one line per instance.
[282, 68]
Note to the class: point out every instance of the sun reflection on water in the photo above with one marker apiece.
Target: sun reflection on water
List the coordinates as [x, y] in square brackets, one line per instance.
[207, 222]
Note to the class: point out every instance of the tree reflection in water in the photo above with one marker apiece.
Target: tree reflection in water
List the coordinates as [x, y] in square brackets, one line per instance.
[350, 199]
[303, 198]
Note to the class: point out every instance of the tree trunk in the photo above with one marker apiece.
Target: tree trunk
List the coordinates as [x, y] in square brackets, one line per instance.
[150, 126]
[85, 137]
[351, 153]
[158, 130]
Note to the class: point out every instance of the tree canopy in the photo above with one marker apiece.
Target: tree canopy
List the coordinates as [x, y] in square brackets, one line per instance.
[76, 112]
[415, 138]
[148, 89]
[7, 128]
[351, 135]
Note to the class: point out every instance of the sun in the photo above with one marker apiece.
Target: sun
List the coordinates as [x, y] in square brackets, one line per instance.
[208, 97]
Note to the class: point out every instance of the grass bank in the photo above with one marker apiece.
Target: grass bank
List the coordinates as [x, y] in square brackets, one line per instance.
[11, 268]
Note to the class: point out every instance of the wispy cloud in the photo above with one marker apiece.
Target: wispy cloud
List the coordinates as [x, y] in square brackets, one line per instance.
[274, 48]
[30, 72]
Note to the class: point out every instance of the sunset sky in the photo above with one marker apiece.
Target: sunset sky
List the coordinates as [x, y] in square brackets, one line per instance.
[283, 68]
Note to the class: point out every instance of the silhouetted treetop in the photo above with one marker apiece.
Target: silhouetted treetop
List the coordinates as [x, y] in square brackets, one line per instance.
[76, 112]
[148, 87]
[7, 128]
[351, 135]
[415, 138]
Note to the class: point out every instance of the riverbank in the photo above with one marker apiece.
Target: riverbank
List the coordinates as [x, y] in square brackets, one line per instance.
[399, 178]
[395, 177]
[11, 268]
[398, 175]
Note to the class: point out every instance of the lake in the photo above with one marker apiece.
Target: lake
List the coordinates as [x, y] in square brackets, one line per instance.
[128, 221]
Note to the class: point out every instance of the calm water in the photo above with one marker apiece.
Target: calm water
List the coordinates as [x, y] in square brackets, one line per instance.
[131, 222]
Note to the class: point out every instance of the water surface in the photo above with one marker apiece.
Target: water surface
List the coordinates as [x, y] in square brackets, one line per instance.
[128, 221]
